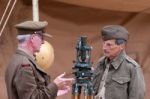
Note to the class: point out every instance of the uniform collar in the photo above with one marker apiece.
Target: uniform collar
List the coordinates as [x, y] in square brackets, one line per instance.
[26, 53]
[30, 57]
[116, 62]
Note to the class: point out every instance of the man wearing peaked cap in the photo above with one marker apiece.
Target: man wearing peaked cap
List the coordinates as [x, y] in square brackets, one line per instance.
[31, 27]
[24, 78]
[117, 76]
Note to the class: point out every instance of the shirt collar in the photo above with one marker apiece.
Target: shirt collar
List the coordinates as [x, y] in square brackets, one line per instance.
[116, 62]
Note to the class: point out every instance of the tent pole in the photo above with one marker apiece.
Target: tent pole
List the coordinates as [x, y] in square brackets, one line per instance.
[35, 9]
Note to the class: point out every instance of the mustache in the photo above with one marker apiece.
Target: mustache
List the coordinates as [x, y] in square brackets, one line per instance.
[105, 51]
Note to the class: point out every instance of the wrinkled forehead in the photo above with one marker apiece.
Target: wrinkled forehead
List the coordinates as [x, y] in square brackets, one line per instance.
[109, 41]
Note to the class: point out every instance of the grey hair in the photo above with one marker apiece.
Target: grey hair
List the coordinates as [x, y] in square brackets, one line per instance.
[23, 38]
[120, 41]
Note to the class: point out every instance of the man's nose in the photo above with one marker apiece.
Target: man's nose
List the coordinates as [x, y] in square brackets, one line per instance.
[104, 47]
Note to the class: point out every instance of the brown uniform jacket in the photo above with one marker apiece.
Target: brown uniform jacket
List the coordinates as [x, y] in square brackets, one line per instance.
[26, 80]
[124, 80]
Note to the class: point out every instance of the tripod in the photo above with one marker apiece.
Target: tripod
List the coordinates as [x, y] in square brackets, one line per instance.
[88, 90]
[83, 71]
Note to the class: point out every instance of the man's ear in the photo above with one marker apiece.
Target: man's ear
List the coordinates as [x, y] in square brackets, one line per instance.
[122, 46]
[32, 36]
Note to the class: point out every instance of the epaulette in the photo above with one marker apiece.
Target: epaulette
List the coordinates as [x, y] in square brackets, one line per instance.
[101, 60]
[130, 60]
[25, 62]
[25, 65]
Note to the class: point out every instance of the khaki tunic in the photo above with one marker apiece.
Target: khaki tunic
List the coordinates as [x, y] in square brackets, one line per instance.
[26, 80]
[124, 80]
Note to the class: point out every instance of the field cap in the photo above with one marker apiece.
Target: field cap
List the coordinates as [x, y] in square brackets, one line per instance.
[32, 27]
[114, 32]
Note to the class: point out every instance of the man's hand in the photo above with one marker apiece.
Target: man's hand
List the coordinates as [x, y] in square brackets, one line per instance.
[63, 92]
[63, 84]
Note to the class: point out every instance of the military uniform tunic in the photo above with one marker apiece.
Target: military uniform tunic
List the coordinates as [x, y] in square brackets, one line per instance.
[26, 80]
[124, 80]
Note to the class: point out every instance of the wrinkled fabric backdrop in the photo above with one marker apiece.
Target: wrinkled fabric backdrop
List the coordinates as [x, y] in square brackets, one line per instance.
[70, 19]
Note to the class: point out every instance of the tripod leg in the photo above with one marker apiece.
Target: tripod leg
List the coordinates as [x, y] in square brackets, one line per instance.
[88, 97]
[88, 92]
[76, 91]
[75, 96]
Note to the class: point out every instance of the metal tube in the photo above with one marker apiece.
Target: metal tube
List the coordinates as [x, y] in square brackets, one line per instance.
[35, 9]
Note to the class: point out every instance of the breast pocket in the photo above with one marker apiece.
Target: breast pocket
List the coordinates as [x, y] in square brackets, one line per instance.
[40, 81]
[121, 82]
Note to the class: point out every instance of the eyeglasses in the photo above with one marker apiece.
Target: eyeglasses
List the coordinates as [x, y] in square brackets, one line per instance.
[40, 34]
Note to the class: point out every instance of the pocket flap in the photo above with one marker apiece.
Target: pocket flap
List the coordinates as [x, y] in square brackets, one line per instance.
[121, 80]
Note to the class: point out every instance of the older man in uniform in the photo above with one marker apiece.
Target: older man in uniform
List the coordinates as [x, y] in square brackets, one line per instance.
[24, 78]
[117, 76]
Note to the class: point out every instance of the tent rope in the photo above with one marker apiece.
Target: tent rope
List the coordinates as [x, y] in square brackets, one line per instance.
[5, 22]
